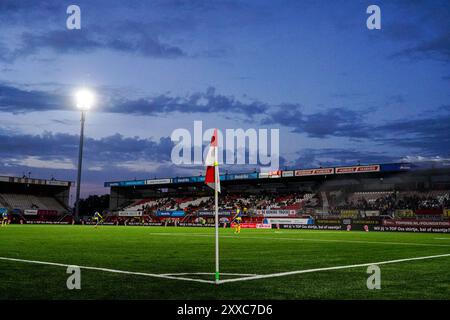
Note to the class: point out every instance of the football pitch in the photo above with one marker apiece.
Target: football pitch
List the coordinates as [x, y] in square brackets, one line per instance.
[118, 262]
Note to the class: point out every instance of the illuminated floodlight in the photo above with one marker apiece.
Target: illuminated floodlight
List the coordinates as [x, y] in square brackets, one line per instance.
[84, 99]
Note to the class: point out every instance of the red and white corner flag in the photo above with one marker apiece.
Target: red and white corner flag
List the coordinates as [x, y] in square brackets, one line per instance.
[212, 165]
[212, 179]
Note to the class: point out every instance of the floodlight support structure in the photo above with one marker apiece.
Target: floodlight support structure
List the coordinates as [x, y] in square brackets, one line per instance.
[80, 162]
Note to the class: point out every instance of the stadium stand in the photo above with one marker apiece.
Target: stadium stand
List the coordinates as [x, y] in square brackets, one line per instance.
[35, 200]
[433, 199]
[378, 202]
[28, 202]
[369, 194]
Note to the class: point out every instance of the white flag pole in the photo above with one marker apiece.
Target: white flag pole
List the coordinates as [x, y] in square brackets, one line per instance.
[216, 196]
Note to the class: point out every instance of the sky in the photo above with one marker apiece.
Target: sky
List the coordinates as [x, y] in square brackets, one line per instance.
[338, 92]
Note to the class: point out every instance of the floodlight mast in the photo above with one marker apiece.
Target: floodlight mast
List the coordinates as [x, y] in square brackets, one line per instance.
[84, 101]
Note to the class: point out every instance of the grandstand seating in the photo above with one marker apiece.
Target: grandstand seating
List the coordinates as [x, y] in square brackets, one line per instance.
[193, 202]
[368, 196]
[405, 204]
[401, 204]
[25, 202]
[336, 203]
[292, 201]
[138, 205]
[3, 202]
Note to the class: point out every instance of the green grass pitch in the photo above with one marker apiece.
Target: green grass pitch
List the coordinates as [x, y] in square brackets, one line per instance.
[170, 250]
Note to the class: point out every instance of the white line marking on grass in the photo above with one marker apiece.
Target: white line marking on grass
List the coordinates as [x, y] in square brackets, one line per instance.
[108, 270]
[210, 274]
[245, 278]
[302, 239]
[442, 238]
[283, 274]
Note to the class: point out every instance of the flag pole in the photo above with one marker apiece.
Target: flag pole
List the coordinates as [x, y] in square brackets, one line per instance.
[216, 198]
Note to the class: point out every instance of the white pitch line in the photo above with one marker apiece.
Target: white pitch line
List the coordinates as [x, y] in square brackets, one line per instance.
[303, 239]
[210, 274]
[107, 270]
[282, 274]
[246, 278]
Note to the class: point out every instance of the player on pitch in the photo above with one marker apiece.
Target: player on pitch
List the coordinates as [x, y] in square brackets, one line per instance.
[4, 218]
[237, 219]
[98, 218]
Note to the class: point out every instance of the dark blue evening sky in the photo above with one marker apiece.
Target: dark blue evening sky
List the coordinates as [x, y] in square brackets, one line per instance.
[338, 92]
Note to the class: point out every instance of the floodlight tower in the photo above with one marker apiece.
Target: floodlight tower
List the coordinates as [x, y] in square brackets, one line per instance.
[84, 101]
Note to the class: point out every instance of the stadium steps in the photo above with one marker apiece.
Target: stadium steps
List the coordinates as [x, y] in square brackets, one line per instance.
[194, 202]
[137, 206]
[16, 201]
[338, 198]
[325, 203]
[4, 203]
[25, 201]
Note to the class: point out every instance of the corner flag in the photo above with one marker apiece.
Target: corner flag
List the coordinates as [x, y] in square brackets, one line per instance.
[212, 165]
[212, 180]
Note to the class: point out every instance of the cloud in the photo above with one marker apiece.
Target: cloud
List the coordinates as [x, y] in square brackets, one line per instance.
[417, 159]
[104, 151]
[92, 180]
[86, 40]
[311, 158]
[337, 122]
[437, 48]
[420, 28]
[429, 135]
[29, 11]
[35, 162]
[16, 100]
[105, 159]
[200, 102]
[152, 29]
[110, 158]
[287, 115]
[11, 6]
[30, 27]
